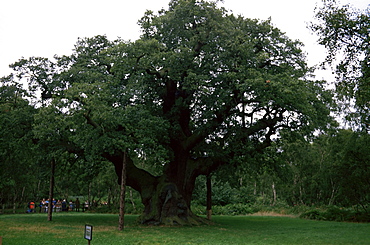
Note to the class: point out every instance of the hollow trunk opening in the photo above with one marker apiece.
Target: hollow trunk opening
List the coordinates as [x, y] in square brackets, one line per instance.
[166, 206]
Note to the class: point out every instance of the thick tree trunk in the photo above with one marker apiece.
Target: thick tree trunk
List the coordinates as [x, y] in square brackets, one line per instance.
[166, 198]
[166, 205]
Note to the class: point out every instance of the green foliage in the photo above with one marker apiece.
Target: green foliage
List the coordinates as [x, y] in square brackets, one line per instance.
[312, 214]
[344, 31]
[352, 164]
[330, 170]
[18, 155]
[232, 209]
[334, 213]
[333, 169]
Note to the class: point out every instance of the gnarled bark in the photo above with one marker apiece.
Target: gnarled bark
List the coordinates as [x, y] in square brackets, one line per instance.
[165, 198]
[167, 206]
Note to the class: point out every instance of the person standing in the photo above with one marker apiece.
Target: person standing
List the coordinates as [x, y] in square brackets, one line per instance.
[71, 205]
[87, 205]
[77, 204]
[41, 206]
[64, 205]
[46, 205]
[54, 204]
[59, 205]
[32, 207]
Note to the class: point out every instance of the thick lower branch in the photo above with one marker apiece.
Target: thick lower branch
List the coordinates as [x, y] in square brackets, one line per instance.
[137, 178]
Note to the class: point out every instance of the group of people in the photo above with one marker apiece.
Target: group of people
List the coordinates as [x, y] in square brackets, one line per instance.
[57, 206]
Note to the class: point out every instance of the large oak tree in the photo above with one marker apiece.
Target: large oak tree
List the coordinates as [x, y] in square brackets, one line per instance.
[201, 88]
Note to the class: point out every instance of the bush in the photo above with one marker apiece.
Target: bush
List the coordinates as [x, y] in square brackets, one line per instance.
[334, 213]
[313, 214]
[229, 209]
[238, 209]
[198, 209]
[361, 217]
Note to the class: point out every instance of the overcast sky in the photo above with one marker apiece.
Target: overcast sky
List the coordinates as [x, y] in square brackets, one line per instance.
[48, 27]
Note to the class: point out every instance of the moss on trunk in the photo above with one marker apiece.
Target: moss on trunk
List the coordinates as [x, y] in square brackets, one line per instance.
[166, 198]
[168, 207]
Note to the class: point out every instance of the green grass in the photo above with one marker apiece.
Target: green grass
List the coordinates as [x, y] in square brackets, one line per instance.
[69, 229]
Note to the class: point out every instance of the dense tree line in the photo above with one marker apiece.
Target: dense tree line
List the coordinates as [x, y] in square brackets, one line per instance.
[331, 170]
[202, 93]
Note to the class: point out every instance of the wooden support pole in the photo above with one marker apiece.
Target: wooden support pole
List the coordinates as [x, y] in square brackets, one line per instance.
[121, 221]
[51, 190]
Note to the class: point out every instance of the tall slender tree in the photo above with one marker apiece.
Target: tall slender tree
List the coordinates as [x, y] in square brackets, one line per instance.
[344, 32]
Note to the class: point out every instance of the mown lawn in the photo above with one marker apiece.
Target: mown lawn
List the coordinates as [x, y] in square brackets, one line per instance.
[69, 229]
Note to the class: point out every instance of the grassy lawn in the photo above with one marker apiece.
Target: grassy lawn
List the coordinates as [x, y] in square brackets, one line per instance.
[69, 229]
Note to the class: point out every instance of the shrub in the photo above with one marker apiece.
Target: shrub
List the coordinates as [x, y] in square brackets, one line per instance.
[229, 209]
[334, 213]
[361, 217]
[313, 214]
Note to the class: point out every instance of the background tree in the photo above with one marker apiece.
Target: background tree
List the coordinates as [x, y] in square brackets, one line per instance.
[332, 169]
[17, 156]
[350, 153]
[344, 31]
[311, 179]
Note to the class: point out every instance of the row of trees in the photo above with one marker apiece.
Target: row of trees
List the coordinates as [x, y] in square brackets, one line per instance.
[201, 90]
[332, 170]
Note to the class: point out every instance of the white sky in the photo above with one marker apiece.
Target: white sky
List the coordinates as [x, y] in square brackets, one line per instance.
[48, 27]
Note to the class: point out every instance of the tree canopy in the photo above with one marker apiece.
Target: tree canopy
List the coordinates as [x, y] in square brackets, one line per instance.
[201, 88]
